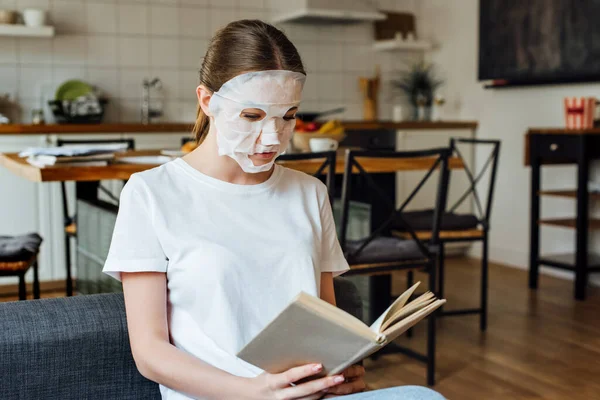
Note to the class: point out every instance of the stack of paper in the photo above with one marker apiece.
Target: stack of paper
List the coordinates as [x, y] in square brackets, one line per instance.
[81, 155]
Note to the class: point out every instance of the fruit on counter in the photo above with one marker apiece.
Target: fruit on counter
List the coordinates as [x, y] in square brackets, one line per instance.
[302, 126]
[189, 146]
[333, 126]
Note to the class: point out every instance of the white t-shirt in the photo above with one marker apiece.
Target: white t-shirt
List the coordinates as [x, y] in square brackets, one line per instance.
[234, 255]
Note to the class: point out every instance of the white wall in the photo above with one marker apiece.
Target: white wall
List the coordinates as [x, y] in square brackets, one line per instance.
[505, 114]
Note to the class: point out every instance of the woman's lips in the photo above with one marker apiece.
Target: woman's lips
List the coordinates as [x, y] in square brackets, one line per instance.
[265, 156]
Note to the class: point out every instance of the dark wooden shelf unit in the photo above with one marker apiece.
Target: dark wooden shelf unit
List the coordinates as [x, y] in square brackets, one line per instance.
[571, 223]
[567, 261]
[572, 194]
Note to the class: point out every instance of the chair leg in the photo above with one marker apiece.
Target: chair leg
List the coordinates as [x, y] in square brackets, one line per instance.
[22, 287]
[441, 263]
[69, 280]
[409, 282]
[36, 280]
[431, 327]
[484, 285]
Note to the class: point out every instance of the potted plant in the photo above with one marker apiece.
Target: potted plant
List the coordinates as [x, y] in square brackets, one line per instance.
[418, 84]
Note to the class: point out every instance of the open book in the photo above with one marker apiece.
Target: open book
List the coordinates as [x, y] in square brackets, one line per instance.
[310, 330]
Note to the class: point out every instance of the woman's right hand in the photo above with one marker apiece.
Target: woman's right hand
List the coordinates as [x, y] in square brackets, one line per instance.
[277, 386]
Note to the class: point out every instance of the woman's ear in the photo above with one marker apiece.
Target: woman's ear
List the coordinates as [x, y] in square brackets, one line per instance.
[204, 96]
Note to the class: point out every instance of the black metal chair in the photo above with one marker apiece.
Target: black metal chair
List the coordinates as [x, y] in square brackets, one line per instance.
[69, 220]
[382, 253]
[316, 164]
[17, 255]
[462, 227]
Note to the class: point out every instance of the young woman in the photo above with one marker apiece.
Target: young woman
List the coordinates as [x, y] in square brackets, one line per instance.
[209, 247]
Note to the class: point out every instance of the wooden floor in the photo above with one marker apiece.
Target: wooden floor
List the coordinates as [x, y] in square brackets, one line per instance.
[539, 345]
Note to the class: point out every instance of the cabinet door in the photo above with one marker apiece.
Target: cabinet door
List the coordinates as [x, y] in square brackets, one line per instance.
[407, 181]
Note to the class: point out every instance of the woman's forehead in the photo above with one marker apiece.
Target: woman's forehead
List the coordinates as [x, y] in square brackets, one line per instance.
[265, 87]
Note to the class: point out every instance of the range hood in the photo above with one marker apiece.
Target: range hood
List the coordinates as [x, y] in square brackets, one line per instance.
[325, 11]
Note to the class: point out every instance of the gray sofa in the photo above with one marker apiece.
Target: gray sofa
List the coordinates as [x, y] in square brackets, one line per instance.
[78, 348]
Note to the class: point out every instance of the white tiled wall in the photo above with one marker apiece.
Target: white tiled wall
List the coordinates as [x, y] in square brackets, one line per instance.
[114, 44]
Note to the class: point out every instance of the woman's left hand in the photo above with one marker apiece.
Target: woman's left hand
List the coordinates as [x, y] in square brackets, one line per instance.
[354, 382]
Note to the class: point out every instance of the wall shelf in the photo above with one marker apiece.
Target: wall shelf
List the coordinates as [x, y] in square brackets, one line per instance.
[26, 31]
[402, 45]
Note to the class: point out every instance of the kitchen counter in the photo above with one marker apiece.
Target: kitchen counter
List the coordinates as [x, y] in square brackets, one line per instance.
[25, 129]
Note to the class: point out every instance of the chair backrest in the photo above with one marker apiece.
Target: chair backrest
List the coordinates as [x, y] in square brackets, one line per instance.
[474, 177]
[317, 164]
[367, 162]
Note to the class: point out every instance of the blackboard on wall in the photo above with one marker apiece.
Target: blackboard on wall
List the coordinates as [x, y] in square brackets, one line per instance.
[539, 41]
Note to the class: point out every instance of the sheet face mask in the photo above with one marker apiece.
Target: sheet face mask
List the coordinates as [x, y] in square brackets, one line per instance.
[273, 92]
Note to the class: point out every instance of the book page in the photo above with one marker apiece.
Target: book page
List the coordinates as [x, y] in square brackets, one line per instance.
[396, 305]
[396, 330]
[420, 302]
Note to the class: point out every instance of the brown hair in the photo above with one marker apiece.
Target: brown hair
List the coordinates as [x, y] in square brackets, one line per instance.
[243, 46]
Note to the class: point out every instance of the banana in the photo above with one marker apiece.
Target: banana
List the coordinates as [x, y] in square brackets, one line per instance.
[336, 131]
[330, 126]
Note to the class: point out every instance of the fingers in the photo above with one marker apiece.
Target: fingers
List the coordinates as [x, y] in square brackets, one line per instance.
[354, 371]
[354, 386]
[318, 386]
[295, 374]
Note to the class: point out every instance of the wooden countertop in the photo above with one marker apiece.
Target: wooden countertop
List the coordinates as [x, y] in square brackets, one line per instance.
[409, 125]
[19, 166]
[562, 131]
[25, 129]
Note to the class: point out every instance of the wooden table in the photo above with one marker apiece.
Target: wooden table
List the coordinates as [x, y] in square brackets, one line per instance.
[120, 171]
[556, 147]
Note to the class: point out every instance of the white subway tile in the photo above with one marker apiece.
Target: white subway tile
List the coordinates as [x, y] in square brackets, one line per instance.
[133, 18]
[251, 4]
[35, 51]
[102, 51]
[68, 16]
[164, 53]
[9, 79]
[62, 74]
[101, 18]
[170, 82]
[195, 3]
[253, 13]
[39, 4]
[69, 50]
[8, 50]
[134, 51]
[223, 3]
[191, 52]
[330, 86]
[130, 83]
[164, 20]
[106, 79]
[330, 57]
[188, 82]
[219, 17]
[33, 81]
[194, 22]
